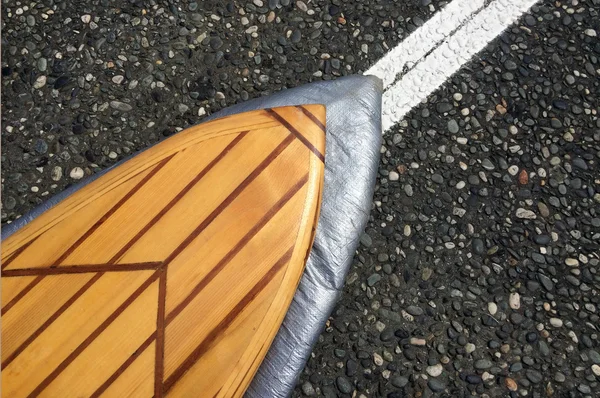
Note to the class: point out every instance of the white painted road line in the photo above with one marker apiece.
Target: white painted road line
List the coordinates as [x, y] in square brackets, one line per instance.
[424, 39]
[448, 57]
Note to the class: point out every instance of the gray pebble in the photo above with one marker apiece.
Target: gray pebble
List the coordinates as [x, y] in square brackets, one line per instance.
[120, 106]
[436, 385]
[414, 310]
[534, 376]
[438, 179]
[482, 364]
[399, 381]
[452, 126]
[343, 385]
[373, 279]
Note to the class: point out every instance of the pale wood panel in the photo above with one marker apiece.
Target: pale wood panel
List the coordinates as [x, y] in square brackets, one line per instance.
[12, 286]
[256, 206]
[44, 354]
[46, 249]
[234, 223]
[110, 349]
[138, 379]
[234, 281]
[114, 233]
[205, 196]
[39, 305]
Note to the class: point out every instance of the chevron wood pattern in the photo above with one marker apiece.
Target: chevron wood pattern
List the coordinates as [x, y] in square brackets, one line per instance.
[171, 274]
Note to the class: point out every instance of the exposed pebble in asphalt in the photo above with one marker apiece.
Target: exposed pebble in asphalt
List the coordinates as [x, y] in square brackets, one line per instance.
[77, 173]
[435, 370]
[514, 301]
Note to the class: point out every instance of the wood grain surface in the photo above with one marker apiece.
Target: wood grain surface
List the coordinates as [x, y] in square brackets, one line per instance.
[171, 273]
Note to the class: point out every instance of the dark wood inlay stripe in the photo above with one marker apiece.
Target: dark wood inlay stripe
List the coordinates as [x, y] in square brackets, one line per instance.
[81, 269]
[298, 135]
[21, 294]
[312, 117]
[159, 362]
[227, 321]
[52, 318]
[234, 194]
[75, 353]
[17, 253]
[177, 198]
[124, 366]
[237, 248]
[113, 209]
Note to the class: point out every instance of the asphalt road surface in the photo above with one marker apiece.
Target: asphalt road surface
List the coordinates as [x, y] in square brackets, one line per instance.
[479, 271]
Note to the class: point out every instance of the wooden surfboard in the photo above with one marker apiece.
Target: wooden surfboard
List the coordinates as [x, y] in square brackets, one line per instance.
[171, 273]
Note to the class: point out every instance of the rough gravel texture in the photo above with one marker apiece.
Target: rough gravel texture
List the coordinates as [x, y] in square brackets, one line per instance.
[86, 83]
[479, 271]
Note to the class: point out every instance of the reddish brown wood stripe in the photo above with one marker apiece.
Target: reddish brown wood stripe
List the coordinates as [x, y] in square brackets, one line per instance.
[113, 209]
[312, 117]
[17, 253]
[237, 248]
[159, 367]
[81, 269]
[124, 366]
[50, 320]
[227, 321]
[69, 359]
[21, 294]
[298, 135]
[223, 205]
[179, 196]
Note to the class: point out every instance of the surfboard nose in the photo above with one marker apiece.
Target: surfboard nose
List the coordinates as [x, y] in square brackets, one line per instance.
[172, 272]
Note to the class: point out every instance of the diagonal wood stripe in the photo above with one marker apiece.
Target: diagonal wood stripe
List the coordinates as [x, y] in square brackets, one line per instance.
[159, 362]
[227, 321]
[255, 173]
[17, 253]
[177, 198]
[67, 361]
[312, 117]
[50, 320]
[236, 249]
[81, 269]
[37, 280]
[123, 367]
[21, 294]
[298, 135]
